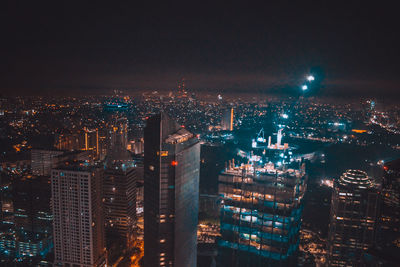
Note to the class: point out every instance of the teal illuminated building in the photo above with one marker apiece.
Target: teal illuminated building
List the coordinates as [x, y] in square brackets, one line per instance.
[260, 215]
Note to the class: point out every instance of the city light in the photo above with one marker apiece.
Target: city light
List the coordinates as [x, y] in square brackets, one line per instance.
[304, 87]
[327, 183]
[310, 78]
[285, 116]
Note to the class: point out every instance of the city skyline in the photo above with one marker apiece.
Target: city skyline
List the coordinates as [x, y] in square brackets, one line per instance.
[199, 134]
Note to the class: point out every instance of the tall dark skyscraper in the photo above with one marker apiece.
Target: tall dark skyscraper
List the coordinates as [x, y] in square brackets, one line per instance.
[260, 215]
[353, 218]
[388, 230]
[171, 193]
[119, 189]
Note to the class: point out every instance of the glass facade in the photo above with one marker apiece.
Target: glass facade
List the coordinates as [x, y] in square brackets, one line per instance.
[353, 218]
[171, 193]
[260, 215]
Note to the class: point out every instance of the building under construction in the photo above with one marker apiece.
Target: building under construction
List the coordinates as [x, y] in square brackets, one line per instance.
[260, 214]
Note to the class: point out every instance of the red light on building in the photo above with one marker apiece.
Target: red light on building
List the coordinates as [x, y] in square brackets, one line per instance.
[174, 163]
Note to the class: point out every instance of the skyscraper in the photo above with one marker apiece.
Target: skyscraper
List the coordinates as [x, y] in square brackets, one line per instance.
[388, 230]
[352, 220]
[119, 134]
[260, 215]
[78, 223]
[227, 119]
[171, 192]
[119, 189]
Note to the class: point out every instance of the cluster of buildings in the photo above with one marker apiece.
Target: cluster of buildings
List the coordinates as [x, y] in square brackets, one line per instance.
[100, 195]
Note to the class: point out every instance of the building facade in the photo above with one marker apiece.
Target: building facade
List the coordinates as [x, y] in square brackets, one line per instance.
[388, 230]
[78, 223]
[171, 193]
[42, 161]
[353, 216]
[227, 119]
[260, 215]
[119, 196]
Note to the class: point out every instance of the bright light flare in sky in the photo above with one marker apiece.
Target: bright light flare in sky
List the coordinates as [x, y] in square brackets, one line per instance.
[304, 87]
[310, 78]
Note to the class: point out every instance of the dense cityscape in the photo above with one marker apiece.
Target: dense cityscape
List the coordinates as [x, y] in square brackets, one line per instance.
[236, 173]
[199, 134]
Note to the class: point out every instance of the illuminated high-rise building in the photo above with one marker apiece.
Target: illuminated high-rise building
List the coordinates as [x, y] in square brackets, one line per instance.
[353, 217]
[119, 189]
[93, 140]
[227, 119]
[260, 215]
[119, 134]
[171, 193]
[78, 223]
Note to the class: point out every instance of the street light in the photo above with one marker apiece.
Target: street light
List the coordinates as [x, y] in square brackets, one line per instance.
[304, 87]
[310, 78]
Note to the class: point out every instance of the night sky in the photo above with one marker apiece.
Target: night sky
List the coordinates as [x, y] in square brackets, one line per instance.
[79, 47]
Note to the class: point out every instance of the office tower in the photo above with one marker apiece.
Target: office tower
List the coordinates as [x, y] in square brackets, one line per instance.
[171, 192]
[260, 215]
[43, 160]
[352, 220]
[31, 201]
[30, 233]
[78, 223]
[227, 120]
[119, 134]
[119, 190]
[388, 230]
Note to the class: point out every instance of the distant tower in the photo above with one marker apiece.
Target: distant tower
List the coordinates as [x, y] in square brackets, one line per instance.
[181, 88]
[119, 134]
[279, 138]
[171, 193]
[353, 217]
[227, 119]
[78, 223]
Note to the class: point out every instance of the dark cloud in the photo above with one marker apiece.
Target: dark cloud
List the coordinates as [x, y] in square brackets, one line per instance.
[232, 47]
